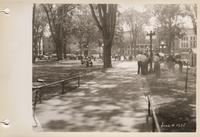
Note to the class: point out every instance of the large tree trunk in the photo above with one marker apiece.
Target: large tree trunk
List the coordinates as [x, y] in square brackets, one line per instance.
[106, 24]
[39, 46]
[58, 44]
[107, 53]
[64, 51]
[59, 49]
[171, 45]
[55, 32]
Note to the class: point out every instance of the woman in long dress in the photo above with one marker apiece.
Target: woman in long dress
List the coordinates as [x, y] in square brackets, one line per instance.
[157, 65]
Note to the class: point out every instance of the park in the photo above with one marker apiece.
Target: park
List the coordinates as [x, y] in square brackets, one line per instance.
[87, 75]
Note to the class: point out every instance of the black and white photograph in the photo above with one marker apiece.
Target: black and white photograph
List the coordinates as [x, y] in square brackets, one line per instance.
[114, 67]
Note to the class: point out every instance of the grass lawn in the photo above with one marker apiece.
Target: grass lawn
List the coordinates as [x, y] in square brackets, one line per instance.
[176, 110]
[56, 71]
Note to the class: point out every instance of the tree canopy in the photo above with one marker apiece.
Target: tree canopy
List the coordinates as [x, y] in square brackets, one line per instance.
[169, 25]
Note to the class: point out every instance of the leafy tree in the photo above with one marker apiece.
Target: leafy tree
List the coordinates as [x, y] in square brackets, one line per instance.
[85, 29]
[191, 11]
[168, 25]
[105, 18]
[118, 41]
[38, 29]
[135, 21]
[59, 19]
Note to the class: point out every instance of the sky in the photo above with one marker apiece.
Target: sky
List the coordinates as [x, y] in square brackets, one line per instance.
[122, 7]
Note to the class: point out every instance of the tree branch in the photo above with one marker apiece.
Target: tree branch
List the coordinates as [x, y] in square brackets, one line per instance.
[104, 8]
[95, 17]
[100, 15]
[50, 25]
[113, 21]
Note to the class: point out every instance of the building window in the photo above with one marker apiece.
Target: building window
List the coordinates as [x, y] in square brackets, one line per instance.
[183, 45]
[195, 44]
[186, 45]
[191, 44]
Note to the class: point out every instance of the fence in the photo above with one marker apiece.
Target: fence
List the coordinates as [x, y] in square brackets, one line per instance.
[38, 89]
[155, 123]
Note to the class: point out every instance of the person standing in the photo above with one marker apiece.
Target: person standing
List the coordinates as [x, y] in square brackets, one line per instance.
[146, 64]
[141, 59]
[140, 67]
[139, 62]
[170, 62]
[156, 60]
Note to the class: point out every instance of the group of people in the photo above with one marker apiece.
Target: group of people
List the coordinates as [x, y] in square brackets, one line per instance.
[172, 61]
[144, 61]
[119, 57]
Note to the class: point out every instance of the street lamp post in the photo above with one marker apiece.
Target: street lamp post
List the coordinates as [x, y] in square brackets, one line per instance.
[162, 46]
[151, 52]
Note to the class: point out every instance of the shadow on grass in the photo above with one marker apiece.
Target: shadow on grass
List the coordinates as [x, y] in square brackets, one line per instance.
[177, 116]
[176, 109]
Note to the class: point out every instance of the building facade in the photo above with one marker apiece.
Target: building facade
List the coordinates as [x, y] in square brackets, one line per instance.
[188, 45]
[142, 44]
[189, 40]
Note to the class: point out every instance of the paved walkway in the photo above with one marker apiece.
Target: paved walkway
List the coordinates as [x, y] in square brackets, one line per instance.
[112, 101]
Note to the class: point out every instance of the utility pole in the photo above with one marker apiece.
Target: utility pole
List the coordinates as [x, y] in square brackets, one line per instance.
[151, 52]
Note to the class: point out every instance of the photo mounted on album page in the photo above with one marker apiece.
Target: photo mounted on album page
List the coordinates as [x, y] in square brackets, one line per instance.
[99, 67]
